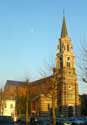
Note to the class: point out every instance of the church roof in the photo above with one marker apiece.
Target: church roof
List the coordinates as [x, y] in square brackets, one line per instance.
[13, 82]
[35, 86]
[64, 32]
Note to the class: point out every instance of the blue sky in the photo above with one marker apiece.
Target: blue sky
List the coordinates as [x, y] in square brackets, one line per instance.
[29, 32]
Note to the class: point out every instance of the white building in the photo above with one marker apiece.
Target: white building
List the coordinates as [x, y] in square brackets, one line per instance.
[9, 107]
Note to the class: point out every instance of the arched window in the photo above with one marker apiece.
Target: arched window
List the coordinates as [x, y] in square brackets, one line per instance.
[67, 47]
[64, 47]
[61, 62]
[68, 64]
[68, 58]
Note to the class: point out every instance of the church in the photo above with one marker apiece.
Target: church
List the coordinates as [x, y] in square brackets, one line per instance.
[67, 101]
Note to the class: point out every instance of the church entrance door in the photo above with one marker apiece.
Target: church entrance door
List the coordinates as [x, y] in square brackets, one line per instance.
[70, 111]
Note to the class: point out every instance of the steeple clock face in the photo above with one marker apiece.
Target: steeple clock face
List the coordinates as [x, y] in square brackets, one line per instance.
[70, 87]
[70, 92]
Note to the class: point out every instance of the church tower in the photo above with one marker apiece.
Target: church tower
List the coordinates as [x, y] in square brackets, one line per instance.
[68, 99]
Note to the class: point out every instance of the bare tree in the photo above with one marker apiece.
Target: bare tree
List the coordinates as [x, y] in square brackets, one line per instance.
[51, 92]
[82, 62]
[23, 100]
[1, 101]
[26, 85]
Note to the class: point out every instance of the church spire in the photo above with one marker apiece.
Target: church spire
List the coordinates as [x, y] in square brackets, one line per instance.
[64, 32]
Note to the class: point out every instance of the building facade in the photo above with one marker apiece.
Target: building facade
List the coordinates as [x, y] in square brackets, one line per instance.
[42, 105]
[67, 87]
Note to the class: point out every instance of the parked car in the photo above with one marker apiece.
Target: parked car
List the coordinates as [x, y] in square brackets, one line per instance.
[6, 120]
[76, 121]
[84, 119]
[63, 121]
[43, 122]
[20, 121]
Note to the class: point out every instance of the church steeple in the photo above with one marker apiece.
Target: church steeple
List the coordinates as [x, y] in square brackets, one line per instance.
[67, 90]
[64, 32]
